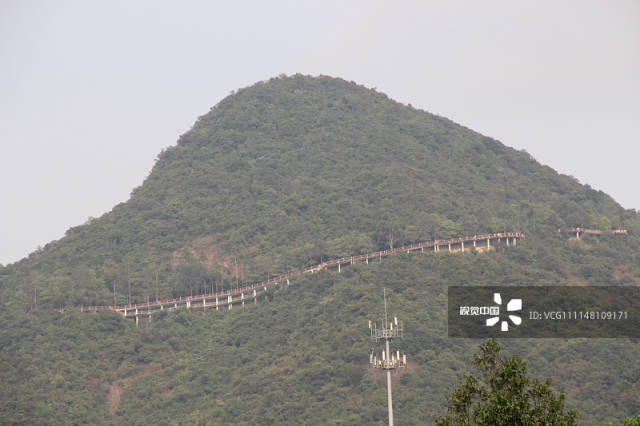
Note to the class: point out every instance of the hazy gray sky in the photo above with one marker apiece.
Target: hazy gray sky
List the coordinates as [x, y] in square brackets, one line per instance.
[91, 91]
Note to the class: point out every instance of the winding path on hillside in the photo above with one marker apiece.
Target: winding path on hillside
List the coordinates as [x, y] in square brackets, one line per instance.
[245, 293]
[579, 231]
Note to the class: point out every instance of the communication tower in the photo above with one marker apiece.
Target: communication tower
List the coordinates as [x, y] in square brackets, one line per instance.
[388, 360]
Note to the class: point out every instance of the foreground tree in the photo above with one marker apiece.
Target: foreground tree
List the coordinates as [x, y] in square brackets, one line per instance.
[503, 395]
[629, 421]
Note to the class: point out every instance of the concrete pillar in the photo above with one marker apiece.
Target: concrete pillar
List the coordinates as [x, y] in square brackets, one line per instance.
[352, 260]
[449, 247]
[338, 266]
[217, 308]
[136, 320]
[488, 243]
[230, 301]
[242, 298]
[367, 260]
[507, 241]
[474, 243]
[462, 245]
[435, 247]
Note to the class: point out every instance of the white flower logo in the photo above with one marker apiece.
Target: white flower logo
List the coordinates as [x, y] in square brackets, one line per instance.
[513, 305]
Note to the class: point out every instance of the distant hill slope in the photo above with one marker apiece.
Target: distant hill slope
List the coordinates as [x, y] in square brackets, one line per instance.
[283, 174]
[294, 170]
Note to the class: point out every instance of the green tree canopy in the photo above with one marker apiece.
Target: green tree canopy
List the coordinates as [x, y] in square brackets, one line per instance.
[502, 394]
[630, 421]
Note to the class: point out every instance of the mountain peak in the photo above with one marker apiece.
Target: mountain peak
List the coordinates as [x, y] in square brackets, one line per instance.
[294, 170]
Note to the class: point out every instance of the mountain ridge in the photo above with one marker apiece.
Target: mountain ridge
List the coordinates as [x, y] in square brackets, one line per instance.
[271, 151]
[287, 174]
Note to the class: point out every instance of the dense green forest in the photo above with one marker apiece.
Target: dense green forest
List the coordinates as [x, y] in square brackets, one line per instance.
[281, 175]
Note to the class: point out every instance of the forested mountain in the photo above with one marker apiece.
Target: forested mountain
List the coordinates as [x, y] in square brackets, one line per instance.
[283, 174]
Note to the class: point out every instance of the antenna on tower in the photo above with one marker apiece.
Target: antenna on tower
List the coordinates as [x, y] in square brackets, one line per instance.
[384, 293]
